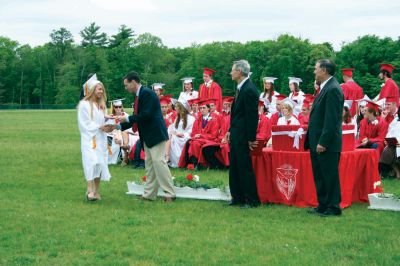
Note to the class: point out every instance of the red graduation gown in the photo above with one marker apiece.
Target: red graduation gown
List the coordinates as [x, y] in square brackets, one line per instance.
[352, 91]
[214, 92]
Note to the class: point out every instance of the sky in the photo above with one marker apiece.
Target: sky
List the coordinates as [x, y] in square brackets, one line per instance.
[181, 23]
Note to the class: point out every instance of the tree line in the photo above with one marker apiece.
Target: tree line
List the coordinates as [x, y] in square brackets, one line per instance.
[53, 73]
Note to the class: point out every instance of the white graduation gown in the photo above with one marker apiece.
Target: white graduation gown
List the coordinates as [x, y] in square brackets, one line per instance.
[94, 153]
[178, 143]
[188, 95]
[283, 122]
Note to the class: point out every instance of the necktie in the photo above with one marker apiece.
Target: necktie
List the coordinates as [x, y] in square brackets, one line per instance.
[135, 111]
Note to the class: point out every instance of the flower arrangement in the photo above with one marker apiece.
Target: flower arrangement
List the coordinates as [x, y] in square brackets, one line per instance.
[378, 184]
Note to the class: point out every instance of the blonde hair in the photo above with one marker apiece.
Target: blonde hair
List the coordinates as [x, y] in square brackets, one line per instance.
[101, 102]
[287, 106]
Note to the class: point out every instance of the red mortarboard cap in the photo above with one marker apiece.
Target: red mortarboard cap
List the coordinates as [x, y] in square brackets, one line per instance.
[204, 102]
[347, 72]
[165, 100]
[372, 105]
[391, 99]
[388, 67]
[227, 99]
[280, 97]
[306, 102]
[208, 71]
[193, 101]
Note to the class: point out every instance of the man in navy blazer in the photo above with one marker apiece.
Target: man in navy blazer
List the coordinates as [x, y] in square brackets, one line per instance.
[242, 137]
[153, 135]
[324, 139]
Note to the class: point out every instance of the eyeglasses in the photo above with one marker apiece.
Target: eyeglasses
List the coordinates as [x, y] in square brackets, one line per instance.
[117, 106]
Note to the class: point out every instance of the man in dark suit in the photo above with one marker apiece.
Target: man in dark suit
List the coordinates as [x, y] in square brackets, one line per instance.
[242, 137]
[324, 139]
[153, 134]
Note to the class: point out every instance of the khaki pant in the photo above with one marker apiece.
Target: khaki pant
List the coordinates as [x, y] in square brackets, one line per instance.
[157, 171]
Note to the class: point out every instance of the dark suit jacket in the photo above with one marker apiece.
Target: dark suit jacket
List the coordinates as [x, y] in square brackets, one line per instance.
[151, 124]
[244, 115]
[325, 124]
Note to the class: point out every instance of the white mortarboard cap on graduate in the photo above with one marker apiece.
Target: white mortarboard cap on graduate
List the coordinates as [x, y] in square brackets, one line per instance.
[348, 103]
[295, 80]
[187, 80]
[117, 102]
[381, 103]
[269, 79]
[157, 86]
[289, 102]
[89, 84]
[363, 101]
[185, 104]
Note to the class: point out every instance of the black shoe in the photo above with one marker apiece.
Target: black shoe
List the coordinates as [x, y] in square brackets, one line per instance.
[316, 211]
[329, 213]
[249, 206]
[234, 203]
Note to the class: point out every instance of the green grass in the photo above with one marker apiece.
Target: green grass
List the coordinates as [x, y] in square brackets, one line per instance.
[44, 219]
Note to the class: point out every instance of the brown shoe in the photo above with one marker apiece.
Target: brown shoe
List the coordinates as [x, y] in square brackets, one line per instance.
[144, 198]
[169, 199]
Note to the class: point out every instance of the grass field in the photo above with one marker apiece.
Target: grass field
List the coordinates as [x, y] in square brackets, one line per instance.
[44, 219]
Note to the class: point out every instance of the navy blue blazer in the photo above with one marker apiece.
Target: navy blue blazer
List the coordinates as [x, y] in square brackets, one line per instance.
[151, 124]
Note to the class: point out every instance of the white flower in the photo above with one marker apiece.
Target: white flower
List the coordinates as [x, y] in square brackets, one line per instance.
[196, 178]
[377, 184]
[375, 122]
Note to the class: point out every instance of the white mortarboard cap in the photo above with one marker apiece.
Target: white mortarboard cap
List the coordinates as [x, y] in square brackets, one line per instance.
[269, 79]
[117, 102]
[185, 104]
[89, 84]
[157, 86]
[188, 80]
[348, 103]
[363, 101]
[381, 103]
[289, 102]
[295, 80]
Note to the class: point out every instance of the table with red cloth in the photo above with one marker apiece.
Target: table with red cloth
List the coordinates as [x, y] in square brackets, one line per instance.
[286, 177]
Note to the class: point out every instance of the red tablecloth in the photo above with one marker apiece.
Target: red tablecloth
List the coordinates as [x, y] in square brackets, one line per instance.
[286, 177]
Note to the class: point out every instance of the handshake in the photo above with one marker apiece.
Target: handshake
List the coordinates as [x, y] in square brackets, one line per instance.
[108, 128]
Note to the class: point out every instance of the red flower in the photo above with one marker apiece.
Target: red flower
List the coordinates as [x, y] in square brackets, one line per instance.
[190, 166]
[189, 177]
[144, 178]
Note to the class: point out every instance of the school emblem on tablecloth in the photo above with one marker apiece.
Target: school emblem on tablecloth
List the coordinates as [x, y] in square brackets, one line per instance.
[286, 180]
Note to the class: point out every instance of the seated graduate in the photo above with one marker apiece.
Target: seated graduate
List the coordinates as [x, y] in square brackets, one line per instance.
[390, 112]
[373, 129]
[304, 116]
[115, 139]
[347, 118]
[287, 110]
[179, 132]
[194, 107]
[264, 128]
[188, 93]
[168, 116]
[204, 132]
[217, 156]
[278, 114]
[390, 157]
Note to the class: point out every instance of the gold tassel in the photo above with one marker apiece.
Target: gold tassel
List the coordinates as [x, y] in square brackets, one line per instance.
[86, 89]
[111, 107]
[109, 149]
[94, 143]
